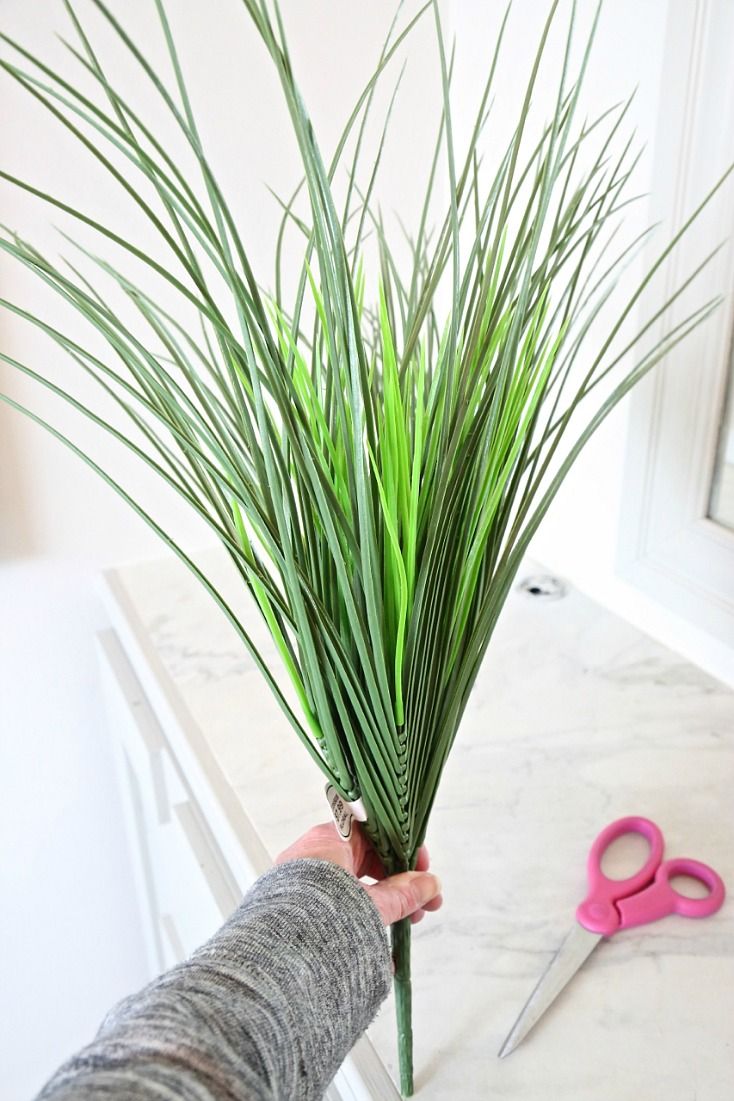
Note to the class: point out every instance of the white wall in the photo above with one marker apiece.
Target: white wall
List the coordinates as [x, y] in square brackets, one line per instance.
[69, 879]
[579, 536]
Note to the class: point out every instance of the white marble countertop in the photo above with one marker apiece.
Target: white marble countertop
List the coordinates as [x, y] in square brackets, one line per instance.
[576, 719]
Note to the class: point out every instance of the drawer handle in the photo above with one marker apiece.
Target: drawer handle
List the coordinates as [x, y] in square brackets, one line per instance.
[219, 879]
[174, 940]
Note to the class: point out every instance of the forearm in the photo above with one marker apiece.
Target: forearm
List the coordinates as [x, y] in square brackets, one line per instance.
[267, 1008]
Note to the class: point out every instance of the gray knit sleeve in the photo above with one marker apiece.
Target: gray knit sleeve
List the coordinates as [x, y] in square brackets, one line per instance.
[267, 1009]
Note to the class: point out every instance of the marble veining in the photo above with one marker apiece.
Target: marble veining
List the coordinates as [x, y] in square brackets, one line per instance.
[577, 718]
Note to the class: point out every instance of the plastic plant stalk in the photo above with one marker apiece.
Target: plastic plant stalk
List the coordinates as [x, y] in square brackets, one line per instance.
[400, 937]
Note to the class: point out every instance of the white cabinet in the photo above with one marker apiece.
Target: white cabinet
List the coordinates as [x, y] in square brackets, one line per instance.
[187, 884]
[186, 888]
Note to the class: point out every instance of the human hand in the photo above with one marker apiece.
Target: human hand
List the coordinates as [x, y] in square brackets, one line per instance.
[408, 894]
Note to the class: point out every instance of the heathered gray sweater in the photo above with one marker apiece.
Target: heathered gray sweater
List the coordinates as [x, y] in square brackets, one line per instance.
[267, 1009]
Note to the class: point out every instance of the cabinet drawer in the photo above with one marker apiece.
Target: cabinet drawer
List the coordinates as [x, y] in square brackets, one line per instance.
[186, 886]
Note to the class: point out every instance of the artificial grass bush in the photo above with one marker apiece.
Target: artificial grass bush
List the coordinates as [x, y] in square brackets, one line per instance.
[374, 468]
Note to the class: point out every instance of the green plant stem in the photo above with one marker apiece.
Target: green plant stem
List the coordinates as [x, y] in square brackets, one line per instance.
[400, 933]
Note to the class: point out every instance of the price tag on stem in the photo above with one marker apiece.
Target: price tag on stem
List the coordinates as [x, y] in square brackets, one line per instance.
[344, 812]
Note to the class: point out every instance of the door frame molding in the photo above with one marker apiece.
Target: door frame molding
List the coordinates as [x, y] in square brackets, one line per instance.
[669, 547]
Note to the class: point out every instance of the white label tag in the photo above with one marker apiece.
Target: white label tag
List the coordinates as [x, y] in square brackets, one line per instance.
[344, 813]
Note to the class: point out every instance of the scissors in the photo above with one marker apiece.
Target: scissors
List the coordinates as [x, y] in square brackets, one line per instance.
[614, 904]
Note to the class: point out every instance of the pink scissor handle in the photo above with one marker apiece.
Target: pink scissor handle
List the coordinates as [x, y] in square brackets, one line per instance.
[661, 898]
[646, 896]
[598, 912]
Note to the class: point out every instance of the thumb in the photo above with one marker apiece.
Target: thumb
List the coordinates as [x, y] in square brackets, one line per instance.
[401, 895]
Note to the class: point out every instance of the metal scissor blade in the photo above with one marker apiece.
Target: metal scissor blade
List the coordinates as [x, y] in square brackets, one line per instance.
[575, 949]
